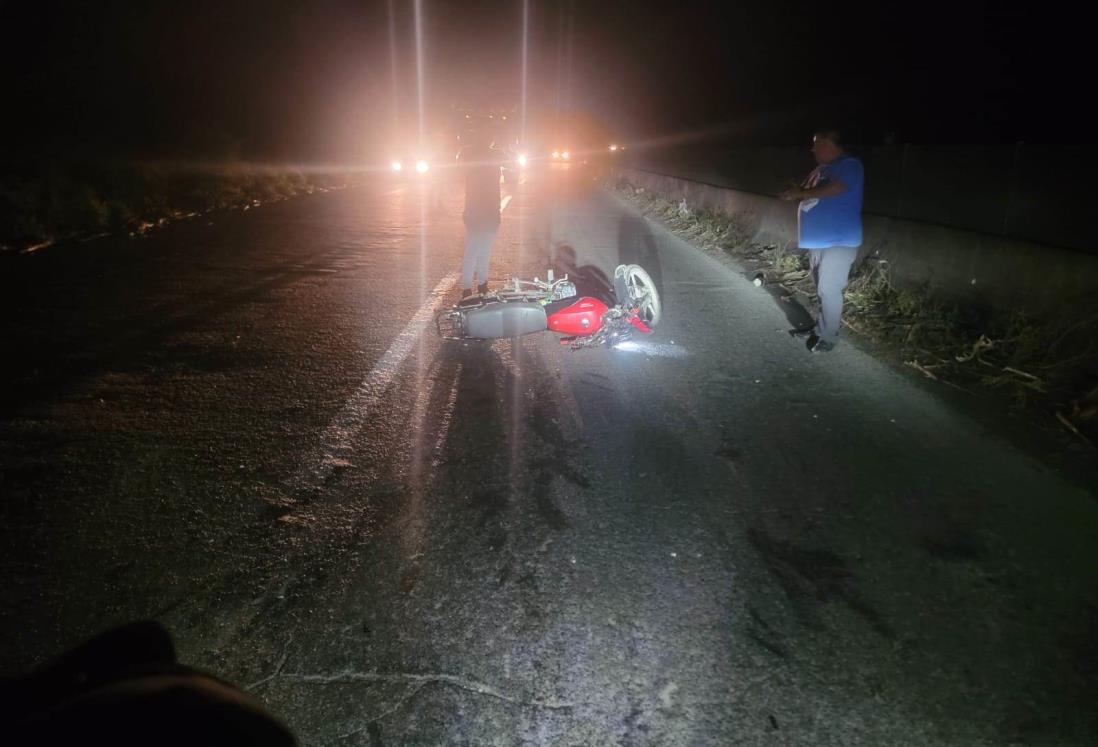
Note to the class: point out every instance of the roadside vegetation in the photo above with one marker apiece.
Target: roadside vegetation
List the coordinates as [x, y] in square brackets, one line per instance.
[40, 207]
[1044, 366]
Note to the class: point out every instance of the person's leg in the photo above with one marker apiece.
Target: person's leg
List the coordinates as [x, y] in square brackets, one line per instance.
[832, 270]
[814, 256]
[487, 237]
[472, 253]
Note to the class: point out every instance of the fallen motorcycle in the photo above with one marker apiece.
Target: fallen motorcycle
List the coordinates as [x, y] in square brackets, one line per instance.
[527, 306]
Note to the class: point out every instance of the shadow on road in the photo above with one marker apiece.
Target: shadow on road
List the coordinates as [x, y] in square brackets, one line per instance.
[811, 578]
[637, 246]
[590, 280]
[505, 452]
[795, 313]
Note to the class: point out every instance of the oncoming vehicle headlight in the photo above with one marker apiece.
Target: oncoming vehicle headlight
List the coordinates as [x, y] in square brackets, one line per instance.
[522, 160]
[565, 155]
[556, 155]
[396, 165]
[422, 166]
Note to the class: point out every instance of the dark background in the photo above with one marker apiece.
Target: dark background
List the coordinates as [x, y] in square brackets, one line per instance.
[927, 72]
[280, 79]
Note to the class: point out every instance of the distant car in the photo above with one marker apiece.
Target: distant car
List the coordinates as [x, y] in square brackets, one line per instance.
[410, 163]
[419, 161]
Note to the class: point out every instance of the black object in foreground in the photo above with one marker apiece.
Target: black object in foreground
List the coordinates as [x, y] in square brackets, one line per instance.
[125, 687]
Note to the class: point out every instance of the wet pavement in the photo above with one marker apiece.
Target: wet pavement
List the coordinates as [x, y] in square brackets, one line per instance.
[247, 429]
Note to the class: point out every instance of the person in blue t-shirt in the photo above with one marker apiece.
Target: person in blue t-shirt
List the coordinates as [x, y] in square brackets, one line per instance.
[829, 226]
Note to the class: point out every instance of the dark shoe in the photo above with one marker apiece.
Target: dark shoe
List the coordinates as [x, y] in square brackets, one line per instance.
[482, 288]
[466, 292]
[816, 345]
[802, 334]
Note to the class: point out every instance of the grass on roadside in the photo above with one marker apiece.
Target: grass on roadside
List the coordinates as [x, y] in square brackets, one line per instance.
[51, 203]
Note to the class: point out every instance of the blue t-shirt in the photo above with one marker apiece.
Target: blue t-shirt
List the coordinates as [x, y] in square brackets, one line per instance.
[833, 221]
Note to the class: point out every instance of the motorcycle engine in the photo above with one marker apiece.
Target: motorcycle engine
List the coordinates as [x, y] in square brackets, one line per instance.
[564, 289]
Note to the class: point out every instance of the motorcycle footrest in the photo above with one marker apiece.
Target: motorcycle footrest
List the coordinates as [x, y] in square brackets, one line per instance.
[449, 325]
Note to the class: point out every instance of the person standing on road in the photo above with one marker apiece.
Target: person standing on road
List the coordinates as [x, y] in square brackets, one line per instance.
[440, 151]
[480, 166]
[829, 226]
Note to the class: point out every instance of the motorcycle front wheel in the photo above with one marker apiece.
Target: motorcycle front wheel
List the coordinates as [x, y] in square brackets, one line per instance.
[641, 293]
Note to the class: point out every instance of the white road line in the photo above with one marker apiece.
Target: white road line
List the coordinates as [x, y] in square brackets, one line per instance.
[337, 443]
[504, 203]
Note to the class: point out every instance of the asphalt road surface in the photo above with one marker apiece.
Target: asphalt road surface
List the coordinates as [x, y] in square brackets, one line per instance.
[248, 430]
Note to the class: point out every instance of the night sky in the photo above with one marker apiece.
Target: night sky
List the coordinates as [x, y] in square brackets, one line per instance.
[312, 79]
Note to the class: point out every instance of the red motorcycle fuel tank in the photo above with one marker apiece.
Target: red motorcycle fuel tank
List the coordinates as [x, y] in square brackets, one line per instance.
[583, 317]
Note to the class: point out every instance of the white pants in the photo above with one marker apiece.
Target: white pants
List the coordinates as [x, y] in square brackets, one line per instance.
[478, 250]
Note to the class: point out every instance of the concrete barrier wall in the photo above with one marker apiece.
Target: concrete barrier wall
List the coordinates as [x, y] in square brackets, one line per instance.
[1037, 193]
[962, 266]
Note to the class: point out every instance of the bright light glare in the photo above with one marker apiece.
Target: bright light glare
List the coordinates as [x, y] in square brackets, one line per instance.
[613, 147]
[421, 166]
[657, 350]
[397, 165]
[564, 155]
[556, 154]
[522, 160]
